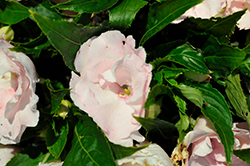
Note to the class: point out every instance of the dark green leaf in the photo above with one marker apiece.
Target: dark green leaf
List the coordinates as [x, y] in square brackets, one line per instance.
[89, 146]
[46, 11]
[188, 57]
[217, 26]
[192, 94]
[35, 46]
[236, 96]
[156, 94]
[245, 67]
[56, 144]
[13, 13]
[24, 160]
[56, 96]
[66, 37]
[243, 154]
[122, 15]
[222, 58]
[153, 126]
[161, 14]
[87, 6]
[121, 151]
[217, 111]
[247, 49]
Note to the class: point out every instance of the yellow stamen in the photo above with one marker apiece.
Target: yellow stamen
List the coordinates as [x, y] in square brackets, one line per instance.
[127, 91]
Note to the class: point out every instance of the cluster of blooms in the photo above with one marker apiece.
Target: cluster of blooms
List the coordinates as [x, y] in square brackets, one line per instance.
[112, 88]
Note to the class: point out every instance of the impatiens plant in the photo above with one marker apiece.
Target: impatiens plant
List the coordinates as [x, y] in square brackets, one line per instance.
[124, 82]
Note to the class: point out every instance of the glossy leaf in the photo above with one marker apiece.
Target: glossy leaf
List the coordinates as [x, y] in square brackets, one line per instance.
[66, 37]
[192, 94]
[89, 146]
[121, 151]
[24, 159]
[217, 111]
[243, 154]
[13, 13]
[87, 6]
[188, 57]
[221, 58]
[157, 126]
[161, 14]
[56, 144]
[217, 26]
[236, 96]
[122, 15]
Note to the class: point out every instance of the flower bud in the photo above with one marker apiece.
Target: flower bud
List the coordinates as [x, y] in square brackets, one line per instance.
[7, 33]
[63, 110]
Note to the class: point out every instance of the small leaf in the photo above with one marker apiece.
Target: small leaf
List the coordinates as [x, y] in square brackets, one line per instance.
[66, 37]
[183, 123]
[161, 14]
[13, 13]
[236, 96]
[56, 96]
[188, 57]
[192, 94]
[245, 67]
[181, 104]
[122, 15]
[243, 154]
[87, 6]
[156, 94]
[89, 146]
[217, 111]
[157, 126]
[56, 144]
[121, 151]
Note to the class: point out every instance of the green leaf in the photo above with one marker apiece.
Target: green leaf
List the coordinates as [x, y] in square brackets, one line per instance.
[181, 104]
[35, 46]
[121, 151]
[188, 57]
[66, 37]
[87, 6]
[56, 95]
[24, 160]
[157, 126]
[222, 58]
[192, 94]
[161, 14]
[183, 123]
[247, 49]
[156, 94]
[56, 144]
[89, 146]
[243, 154]
[245, 67]
[122, 15]
[217, 111]
[236, 96]
[217, 26]
[46, 11]
[13, 13]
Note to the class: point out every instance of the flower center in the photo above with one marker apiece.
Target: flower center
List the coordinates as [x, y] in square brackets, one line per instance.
[125, 91]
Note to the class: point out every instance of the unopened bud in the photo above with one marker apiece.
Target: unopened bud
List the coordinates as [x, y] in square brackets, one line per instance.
[7, 33]
[63, 110]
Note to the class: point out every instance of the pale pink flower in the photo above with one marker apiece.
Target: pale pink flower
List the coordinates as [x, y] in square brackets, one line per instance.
[202, 146]
[17, 97]
[153, 155]
[113, 85]
[238, 5]
[51, 164]
[6, 153]
[205, 10]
